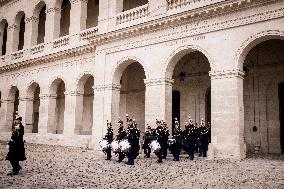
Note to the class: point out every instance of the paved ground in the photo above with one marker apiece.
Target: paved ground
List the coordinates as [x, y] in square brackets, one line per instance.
[66, 167]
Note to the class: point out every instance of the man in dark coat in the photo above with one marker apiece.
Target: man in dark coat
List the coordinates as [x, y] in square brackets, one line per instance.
[16, 147]
[148, 137]
[177, 144]
[120, 136]
[204, 139]
[159, 136]
[109, 138]
[133, 134]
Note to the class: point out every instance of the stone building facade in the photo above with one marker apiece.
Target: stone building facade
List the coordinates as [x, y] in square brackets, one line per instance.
[68, 66]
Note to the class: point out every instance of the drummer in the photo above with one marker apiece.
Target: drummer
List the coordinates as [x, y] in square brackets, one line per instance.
[109, 138]
[120, 136]
[159, 136]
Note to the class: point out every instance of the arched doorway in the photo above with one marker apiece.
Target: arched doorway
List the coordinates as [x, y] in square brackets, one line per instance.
[192, 80]
[92, 13]
[131, 98]
[19, 39]
[56, 107]
[32, 109]
[264, 71]
[3, 40]
[65, 18]
[13, 107]
[39, 13]
[84, 106]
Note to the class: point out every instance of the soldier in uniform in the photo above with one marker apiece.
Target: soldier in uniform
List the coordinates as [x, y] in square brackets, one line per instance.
[189, 139]
[133, 135]
[120, 136]
[204, 138]
[177, 145]
[109, 138]
[16, 147]
[196, 137]
[159, 136]
[148, 137]
[165, 139]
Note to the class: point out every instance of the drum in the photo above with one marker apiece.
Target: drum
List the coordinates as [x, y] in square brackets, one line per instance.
[104, 144]
[171, 141]
[115, 146]
[124, 146]
[155, 146]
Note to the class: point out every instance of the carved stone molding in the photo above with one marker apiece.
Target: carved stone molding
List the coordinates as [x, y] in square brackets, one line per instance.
[52, 10]
[14, 27]
[31, 19]
[26, 98]
[74, 93]
[158, 81]
[78, 1]
[46, 96]
[105, 87]
[226, 74]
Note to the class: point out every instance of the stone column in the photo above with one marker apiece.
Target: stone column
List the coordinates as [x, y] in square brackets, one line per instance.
[227, 115]
[7, 112]
[51, 122]
[106, 107]
[70, 112]
[158, 100]
[12, 38]
[108, 9]
[52, 22]
[78, 14]
[44, 112]
[31, 29]
[25, 111]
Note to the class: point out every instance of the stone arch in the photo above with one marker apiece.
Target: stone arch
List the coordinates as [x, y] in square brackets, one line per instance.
[12, 105]
[53, 84]
[32, 106]
[84, 104]
[129, 95]
[254, 40]
[56, 107]
[178, 53]
[122, 65]
[19, 33]
[92, 13]
[65, 17]
[39, 26]
[3, 35]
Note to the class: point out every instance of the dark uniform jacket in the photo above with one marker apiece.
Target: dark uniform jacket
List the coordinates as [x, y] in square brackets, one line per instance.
[16, 145]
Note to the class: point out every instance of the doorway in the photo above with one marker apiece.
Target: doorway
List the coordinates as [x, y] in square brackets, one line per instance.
[175, 107]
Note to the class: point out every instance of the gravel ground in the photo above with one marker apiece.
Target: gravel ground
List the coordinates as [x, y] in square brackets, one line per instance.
[68, 167]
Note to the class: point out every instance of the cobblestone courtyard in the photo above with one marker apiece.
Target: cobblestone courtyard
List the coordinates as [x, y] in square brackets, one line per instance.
[66, 167]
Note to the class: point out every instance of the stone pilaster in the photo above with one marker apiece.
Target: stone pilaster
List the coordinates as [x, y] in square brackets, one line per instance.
[158, 100]
[25, 111]
[13, 38]
[227, 115]
[52, 22]
[7, 108]
[71, 106]
[31, 31]
[108, 9]
[106, 107]
[44, 112]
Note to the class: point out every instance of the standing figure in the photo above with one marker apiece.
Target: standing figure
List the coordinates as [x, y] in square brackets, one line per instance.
[148, 137]
[204, 137]
[159, 136]
[109, 138]
[177, 145]
[120, 136]
[196, 137]
[133, 135]
[165, 139]
[16, 147]
[189, 140]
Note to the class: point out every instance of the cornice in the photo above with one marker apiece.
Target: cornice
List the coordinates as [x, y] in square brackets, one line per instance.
[49, 58]
[158, 81]
[226, 74]
[113, 87]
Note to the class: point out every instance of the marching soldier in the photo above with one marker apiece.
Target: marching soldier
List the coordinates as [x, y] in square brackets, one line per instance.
[196, 137]
[109, 138]
[189, 140]
[133, 135]
[204, 138]
[177, 145]
[16, 147]
[159, 136]
[120, 136]
[148, 137]
[166, 135]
